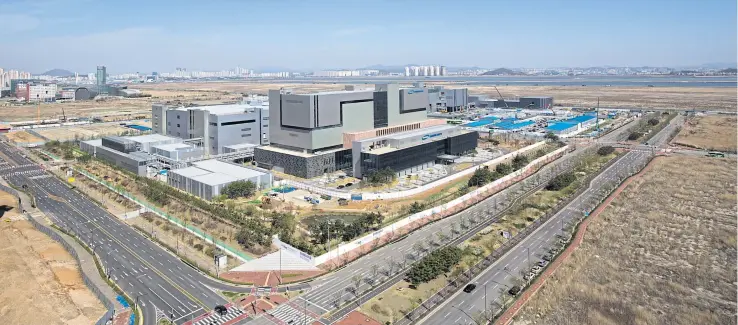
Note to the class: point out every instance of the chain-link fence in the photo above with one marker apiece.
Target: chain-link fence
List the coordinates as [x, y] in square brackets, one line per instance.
[58, 238]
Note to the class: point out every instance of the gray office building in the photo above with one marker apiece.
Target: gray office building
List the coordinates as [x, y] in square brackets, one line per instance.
[130, 153]
[207, 178]
[407, 152]
[442, 99]
[215, 126]
[533, 102]
[308, 131]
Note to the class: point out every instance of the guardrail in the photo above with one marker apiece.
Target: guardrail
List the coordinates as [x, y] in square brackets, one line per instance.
[58, 238]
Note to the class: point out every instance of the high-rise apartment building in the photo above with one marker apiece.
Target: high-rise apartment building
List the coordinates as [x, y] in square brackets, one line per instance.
[101, 79]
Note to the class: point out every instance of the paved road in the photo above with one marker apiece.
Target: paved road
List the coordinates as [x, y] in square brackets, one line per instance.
[337, 288]
[495, 281]
[503, 274]
[164, 282]
[137, 265]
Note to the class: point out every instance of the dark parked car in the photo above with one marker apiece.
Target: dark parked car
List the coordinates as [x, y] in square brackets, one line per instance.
[470, 287]
[514, 291]
[349, 184]
[340, 187]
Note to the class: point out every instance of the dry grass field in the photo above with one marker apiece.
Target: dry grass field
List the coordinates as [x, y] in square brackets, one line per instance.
[681, 98]
[40, 281]
[702, 98]
[92, 131]
[664, 253]
[710, 132]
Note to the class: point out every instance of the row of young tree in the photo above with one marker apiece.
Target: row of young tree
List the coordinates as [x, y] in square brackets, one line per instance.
[434, 264]
[322, 232]
[484, 175]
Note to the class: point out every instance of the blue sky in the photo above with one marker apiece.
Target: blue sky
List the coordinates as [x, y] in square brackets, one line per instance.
[159, 35]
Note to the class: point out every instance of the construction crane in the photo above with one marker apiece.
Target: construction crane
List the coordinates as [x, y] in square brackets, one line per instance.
[502, 99]
[597, 115]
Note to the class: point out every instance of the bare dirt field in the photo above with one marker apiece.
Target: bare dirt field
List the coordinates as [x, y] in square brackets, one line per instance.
[709, 132]
[663, 253]
[22, 137]
[92, 131]
[40, 280]
[127, 108]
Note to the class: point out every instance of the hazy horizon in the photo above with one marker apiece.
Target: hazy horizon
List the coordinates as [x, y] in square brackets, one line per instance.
[132, 36]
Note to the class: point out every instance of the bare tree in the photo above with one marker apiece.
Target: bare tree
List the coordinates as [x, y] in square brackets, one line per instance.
[356, 279]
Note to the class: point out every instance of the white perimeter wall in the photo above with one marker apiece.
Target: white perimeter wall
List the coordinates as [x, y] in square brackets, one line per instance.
[411, 192]
[347, 247]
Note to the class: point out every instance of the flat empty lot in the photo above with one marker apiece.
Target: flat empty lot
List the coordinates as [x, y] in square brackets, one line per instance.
[682, 98]
[664, 253]
[82, 132]
[710, 132]
[40, 281]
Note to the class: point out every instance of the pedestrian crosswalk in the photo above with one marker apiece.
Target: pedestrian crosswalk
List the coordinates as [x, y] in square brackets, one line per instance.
[16, 167]
[22, 172]
[289, 315]
[217, 319]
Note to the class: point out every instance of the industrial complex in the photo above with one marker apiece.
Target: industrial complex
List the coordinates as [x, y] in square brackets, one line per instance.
[320, 133]
[354, 132]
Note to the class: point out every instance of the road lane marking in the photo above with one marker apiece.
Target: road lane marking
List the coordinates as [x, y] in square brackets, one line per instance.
[135, 255]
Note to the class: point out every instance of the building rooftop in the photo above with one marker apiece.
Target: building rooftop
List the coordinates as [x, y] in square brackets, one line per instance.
[581, 118]
[150, 138]
[561, 126]
[241, 146]
[235, 171]
[190, 172]
[226, 109]
[423, 131]
[340, 92]
[173, 146]
[512, 124]
[213, 179]
[96, 142]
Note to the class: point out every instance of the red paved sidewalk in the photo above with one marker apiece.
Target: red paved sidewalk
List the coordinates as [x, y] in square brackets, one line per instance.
[269, 278]
[510, 313]
[357, 318]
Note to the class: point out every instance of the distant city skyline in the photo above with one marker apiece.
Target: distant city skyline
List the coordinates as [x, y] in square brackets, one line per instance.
[78, 35]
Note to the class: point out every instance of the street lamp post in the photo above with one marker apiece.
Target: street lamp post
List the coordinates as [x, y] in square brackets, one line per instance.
[135, 300]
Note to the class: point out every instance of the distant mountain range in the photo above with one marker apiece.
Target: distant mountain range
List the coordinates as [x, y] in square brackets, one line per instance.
[502, 72]
[58, 73]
